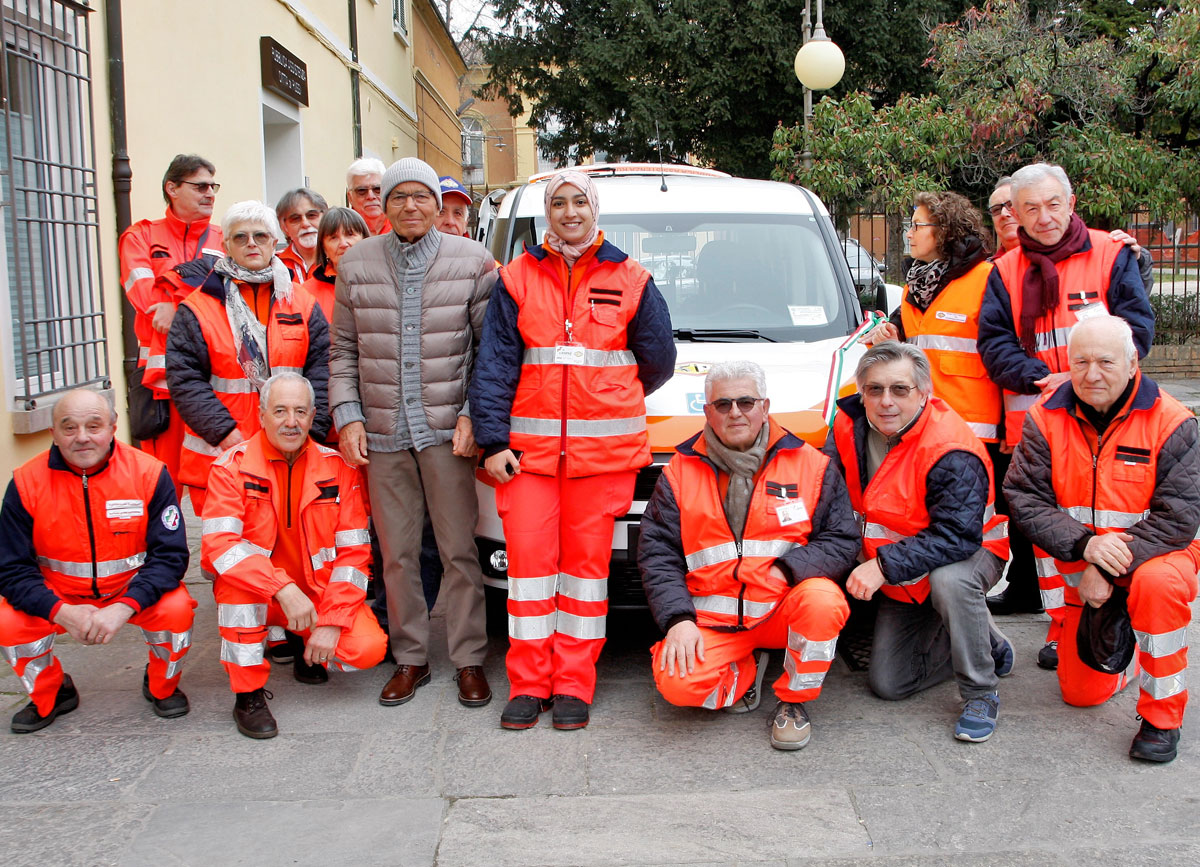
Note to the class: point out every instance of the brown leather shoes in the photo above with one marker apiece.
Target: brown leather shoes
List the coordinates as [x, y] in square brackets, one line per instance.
[473, 689]
[404, 683]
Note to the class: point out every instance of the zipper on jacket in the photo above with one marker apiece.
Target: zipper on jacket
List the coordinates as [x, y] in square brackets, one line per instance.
[566, 372]
[289, 498]
[87, 510]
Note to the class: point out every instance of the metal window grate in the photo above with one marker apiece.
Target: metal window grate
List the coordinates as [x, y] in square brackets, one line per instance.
[48, 199]
[398, 22]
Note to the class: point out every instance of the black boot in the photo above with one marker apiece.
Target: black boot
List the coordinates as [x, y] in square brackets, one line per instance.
[304, 672]
[252, 715]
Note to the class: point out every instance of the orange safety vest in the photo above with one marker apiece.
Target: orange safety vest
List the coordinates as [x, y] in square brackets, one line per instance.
[295, 265]
[287, 350]
[89, 531]
[241, 527]
[148, 250]
[1083, 281]
[947, 331]
[892, 508]
[591, 411]
[730, 581]
[321, 287]
[1110, 490]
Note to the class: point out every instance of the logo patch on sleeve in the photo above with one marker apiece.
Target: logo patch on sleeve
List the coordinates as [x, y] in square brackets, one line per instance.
[170, 518]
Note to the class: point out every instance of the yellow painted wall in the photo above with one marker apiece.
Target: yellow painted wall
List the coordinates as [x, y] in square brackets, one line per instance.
[439, 71]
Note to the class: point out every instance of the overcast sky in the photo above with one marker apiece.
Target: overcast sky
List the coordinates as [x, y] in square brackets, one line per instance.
[462, 13]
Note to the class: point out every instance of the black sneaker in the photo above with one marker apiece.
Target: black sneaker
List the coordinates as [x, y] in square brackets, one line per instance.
[1048, 656]
[174, 705]
[570, 712]
[280, 653]
[303, 672]
[1152, 744]
[253, 717]
[522, 711]
[27, 719]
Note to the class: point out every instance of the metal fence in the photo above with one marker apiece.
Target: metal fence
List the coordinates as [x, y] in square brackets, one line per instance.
[48, 205]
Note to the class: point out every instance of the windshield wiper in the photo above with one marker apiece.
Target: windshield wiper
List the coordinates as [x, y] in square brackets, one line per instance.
[717, 335]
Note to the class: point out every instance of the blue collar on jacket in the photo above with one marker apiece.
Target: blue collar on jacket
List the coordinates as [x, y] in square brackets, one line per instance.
[58, 462]
[1143, 398]
[607, 252]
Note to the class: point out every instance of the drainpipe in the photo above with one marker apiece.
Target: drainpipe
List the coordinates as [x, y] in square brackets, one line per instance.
[355, 101]
[122, 173]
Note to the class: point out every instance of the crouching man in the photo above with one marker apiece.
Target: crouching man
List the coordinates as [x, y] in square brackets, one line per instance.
[1106, 480]
[285, 533]
[91, 539]
[741, 544]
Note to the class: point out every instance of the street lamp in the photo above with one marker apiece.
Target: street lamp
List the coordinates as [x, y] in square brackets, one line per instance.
[819, 66]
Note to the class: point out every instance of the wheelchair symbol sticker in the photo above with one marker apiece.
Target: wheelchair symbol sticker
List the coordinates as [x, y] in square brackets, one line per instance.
[696, 403]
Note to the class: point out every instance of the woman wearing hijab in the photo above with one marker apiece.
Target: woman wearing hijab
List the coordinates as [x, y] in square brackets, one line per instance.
[576, 335]
[245, 321]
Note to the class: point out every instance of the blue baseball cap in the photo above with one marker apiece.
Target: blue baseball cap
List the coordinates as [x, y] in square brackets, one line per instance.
[451, 187]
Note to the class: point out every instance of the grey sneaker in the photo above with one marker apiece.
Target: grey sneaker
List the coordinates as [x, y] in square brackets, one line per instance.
[790, 729]
[753, 696]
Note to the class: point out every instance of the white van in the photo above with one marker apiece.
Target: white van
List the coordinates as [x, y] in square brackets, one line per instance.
[750, 270]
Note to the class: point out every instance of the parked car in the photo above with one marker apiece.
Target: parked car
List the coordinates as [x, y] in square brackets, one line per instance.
[750, 270]
[867, 273]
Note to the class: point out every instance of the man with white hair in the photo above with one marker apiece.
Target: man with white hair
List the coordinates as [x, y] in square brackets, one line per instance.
[363, 193]
[1106, 480]
[285, 532]
[1061, 273]
[740, 549]
[299, 212]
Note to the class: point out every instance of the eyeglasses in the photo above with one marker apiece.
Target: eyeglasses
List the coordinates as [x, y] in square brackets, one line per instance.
[996, 210]
[362, 192]
[295, 219]
[744, 404]
[913, 224]
[898, 391]
[203, 186]
[402, 198]
[260, 239]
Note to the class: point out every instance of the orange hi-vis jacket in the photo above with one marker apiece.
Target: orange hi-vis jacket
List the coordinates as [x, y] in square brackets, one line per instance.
[947, 331]
[892, 507]
[287, 350]
[579, 396]
[148, 250]
[730, 581]
[1106, 483]
[242, 523]
[1083, 286]
[295, 265]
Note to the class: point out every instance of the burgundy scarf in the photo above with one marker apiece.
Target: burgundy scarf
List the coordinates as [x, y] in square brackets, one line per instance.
[1039, 287]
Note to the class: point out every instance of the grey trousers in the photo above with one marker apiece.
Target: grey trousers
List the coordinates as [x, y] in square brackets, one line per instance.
[950, 634]
[402, 485]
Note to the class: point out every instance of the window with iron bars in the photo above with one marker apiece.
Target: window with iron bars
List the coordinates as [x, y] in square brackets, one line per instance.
[55, 334]
[399, 24]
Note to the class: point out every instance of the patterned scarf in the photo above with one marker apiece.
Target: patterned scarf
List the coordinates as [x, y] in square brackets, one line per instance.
[741, 468]
[250, 335]
[924, 280]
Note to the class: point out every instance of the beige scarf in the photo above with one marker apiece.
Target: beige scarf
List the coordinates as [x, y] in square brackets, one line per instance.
[741, 467]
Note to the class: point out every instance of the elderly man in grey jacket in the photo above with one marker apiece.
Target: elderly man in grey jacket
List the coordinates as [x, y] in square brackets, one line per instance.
[407, 320]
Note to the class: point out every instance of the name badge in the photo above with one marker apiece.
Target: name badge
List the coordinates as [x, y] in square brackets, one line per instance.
[950, 317]
[121, 509]
[792, 513]
[568, 353]
[1090, 311]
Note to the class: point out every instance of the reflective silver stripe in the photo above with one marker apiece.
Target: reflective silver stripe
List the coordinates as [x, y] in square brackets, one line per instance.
[535, 589]
[161, 652]
[591, 357]
[158, 362]
[173, 667]
[940, 341]
[531, 628]
[1046, 567]
[193, 443]
[15, 652]
[1071, 579]
[178, 640]
[799, 680]
[710, 700]
[1164, 687]
[983, 431]
[1050, 339]
[242, 616]
[766, 547]
[583, 589]
[349, 575]
[1054, 598]
[878, 531]
[342, 666]
[998, 531]
[276, 633]
[236, 554]
[346, 538]
[104, 568]
[241, 654]
[221, 385]
[722, 553]
[143, 353]
[280, 368]
[1019, 402]
[577, 427]
[1162, 644]
[33, 669]
[729, 605]
[138, 274]
[812, 651]
[1104, 518]
[323, 556]
[211, 526]
[578, 626]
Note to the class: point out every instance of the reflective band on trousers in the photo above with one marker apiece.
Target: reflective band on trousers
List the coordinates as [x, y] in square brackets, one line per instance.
[727, 551]
[799, 680]
[210, 526]
[1046, 567]
[143, 353]
[811, 651]
[1162, 644]
[1164, 687]
[346, 538]
[711, 701]
[104, 568]
[1019, 402]
[577, 427]
[193, 443]
[137, 274]
[33, 669]
[1055, 598]
[941, 341]
[534, 589]
[241, 616]
[1104, 517]
[531, 628]
[591, 357]
[728, 605]
[349, 575]
[173, 665]
[178, 640]
[33, 649]
[578, 626]
[221, 385]
[237, 554]
[241, 654]
[583, 589]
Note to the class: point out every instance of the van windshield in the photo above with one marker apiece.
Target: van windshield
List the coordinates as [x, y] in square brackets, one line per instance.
[764, 273]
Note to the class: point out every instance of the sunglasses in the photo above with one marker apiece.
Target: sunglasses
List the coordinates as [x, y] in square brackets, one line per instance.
[744, 404]
[203, 186]
[898, 391]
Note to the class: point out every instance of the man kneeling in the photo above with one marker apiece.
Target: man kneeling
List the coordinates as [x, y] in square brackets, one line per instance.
[285, 533]
[741, 545]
